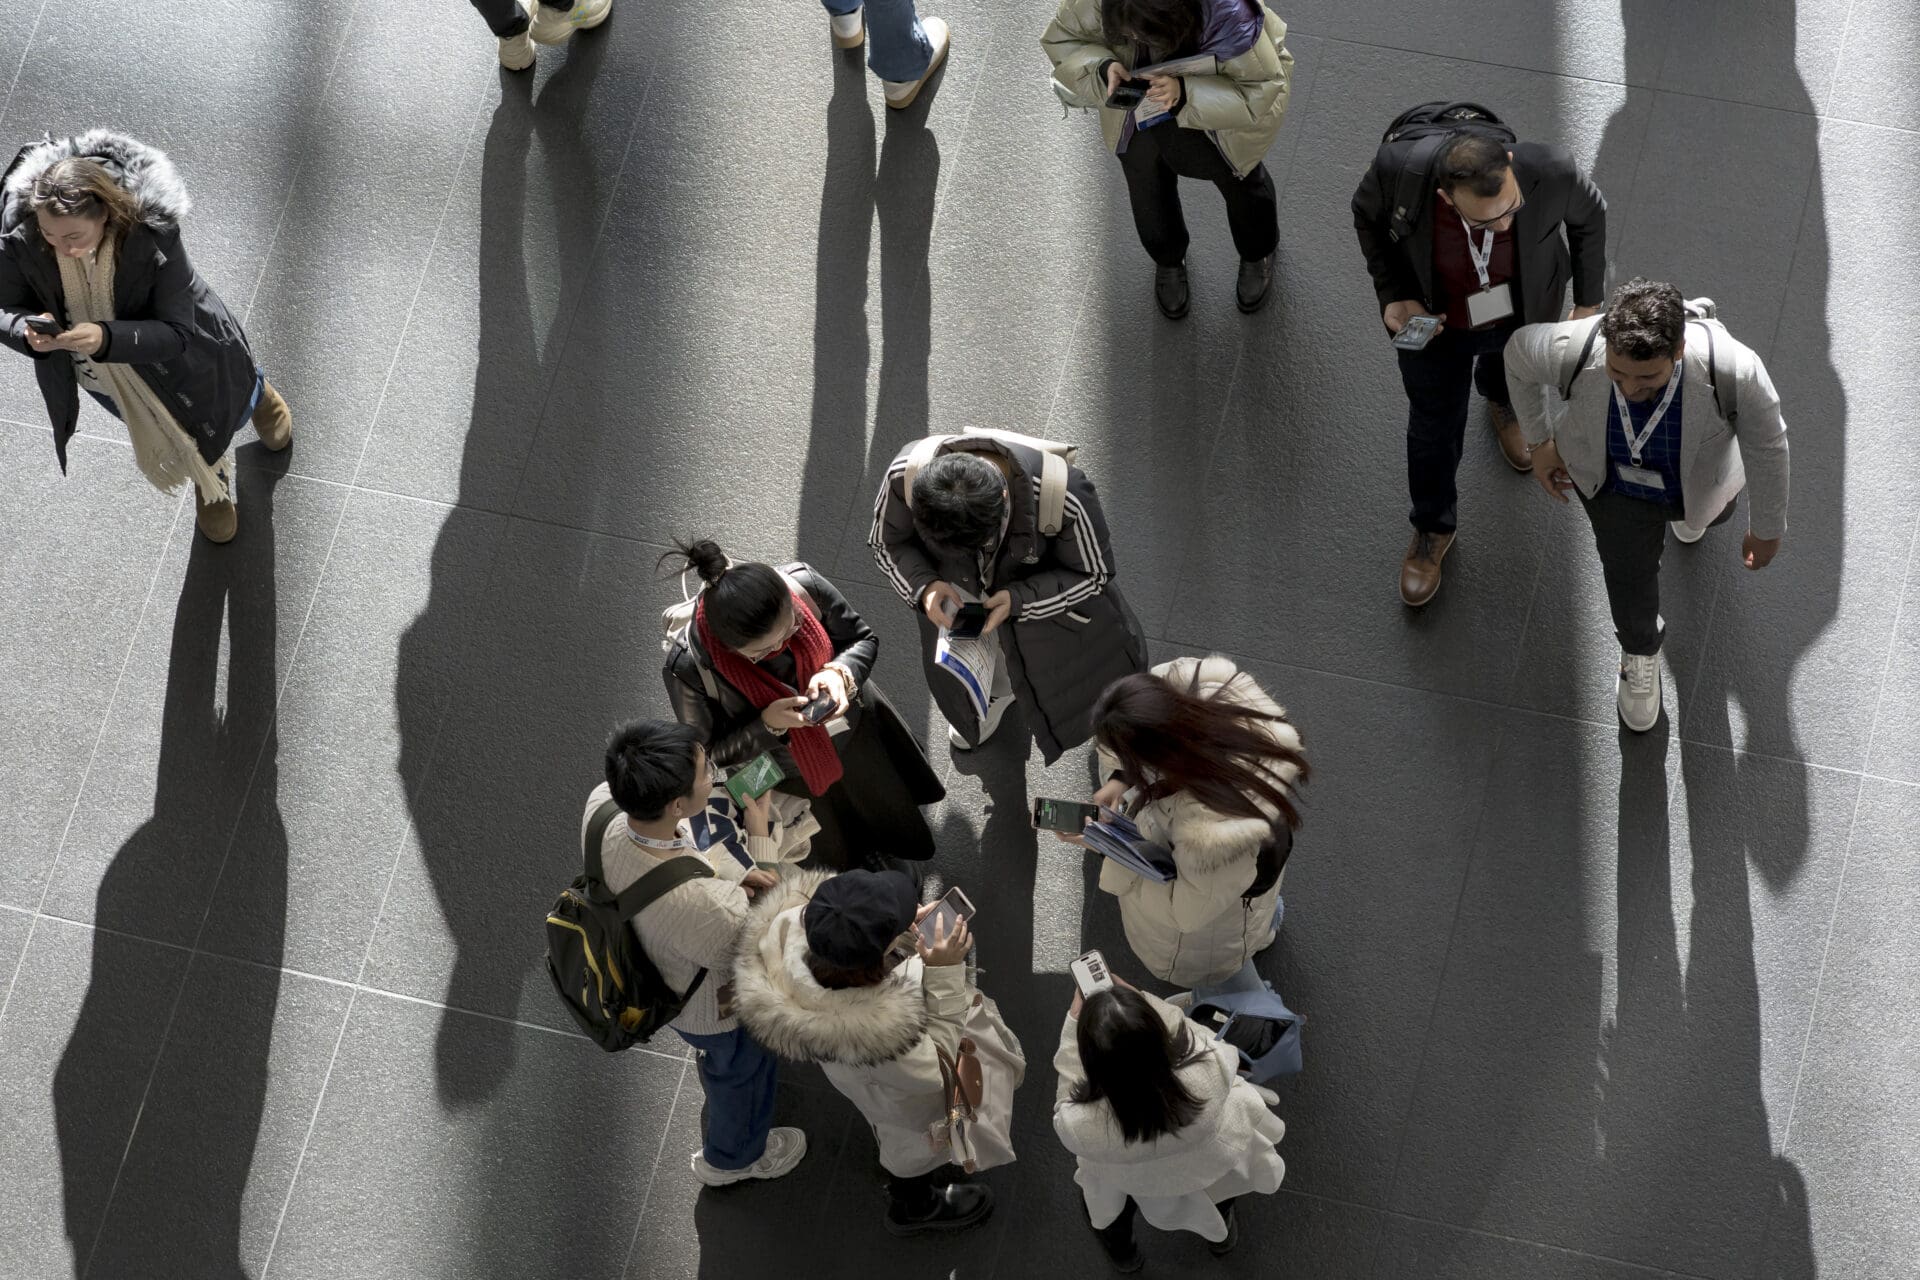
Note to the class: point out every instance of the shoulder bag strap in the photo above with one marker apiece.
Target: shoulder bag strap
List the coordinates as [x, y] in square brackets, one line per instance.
[597, 836]
[1726, 402]
[1571, 371]
[658, 883]
[1054, 474]
[919, 456]
[1412, 190]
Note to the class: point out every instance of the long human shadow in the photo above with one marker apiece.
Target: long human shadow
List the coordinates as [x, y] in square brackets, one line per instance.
[178, 1200]
[513, 356]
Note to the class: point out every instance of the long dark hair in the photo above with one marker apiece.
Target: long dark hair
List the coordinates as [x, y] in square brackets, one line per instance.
[744, 601]
[1169, 740]
[1133, 1061]
[1162, 28]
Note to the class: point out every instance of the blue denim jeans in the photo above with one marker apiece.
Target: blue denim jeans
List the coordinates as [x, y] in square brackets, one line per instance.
[738, 1077]
[897, 45]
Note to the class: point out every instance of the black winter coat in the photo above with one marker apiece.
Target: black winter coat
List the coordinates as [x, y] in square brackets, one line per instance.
[731, 725]
[1557, 195]
[170, 325]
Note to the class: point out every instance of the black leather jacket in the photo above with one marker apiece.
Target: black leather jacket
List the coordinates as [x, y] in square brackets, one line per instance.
[731, 724]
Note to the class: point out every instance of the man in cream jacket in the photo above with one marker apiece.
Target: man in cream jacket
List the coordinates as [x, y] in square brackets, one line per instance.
[1657, 418]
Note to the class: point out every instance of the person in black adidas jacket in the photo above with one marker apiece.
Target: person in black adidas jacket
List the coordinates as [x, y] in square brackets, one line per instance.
[1513, 222]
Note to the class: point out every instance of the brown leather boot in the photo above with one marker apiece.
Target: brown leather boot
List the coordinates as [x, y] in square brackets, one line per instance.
[1513, 441]
[218, 521]
[272, 419]
[1420, 570]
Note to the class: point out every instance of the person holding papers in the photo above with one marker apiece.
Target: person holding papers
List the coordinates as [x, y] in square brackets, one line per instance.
[759, 647]
[1000, 534]
[1186, 89]
[1204, 764]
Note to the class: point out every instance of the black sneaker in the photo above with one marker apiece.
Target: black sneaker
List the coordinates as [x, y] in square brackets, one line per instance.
[1170, 290]
[1255, 283]
[1126, 1258]
[1225, 1247]
[954, 1207]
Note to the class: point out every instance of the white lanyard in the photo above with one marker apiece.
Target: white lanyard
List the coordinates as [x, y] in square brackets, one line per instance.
[648, 842]
[1636, 443]
[1481, 255]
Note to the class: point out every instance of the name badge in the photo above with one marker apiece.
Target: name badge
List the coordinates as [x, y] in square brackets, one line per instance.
[1489, 306]
[1640, 476]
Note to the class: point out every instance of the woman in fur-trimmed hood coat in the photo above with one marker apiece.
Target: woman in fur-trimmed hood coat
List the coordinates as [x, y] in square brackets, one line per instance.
[1200, 928]
[167, 324]
[876, 1044]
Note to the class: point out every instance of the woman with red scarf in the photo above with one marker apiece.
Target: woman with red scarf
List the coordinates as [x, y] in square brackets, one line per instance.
[765, 641]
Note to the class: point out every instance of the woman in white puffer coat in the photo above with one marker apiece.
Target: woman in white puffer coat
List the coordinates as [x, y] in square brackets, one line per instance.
[1162, 1124]
[1205, 763]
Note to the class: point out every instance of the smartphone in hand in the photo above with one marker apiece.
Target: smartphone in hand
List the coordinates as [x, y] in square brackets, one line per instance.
[818, 710]
[968, 622]
[1129, 94]
[1090, 974]
[45, 326]
[951, 909]
[1068, 817]
[1416, 333]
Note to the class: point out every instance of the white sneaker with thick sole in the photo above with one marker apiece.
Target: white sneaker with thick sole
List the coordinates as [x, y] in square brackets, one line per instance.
[1639, 691]
[849, 29]
[554, 26]
[785, 1147]
[996, 711]
[1685, 532]
[516, 52]
[901, 93]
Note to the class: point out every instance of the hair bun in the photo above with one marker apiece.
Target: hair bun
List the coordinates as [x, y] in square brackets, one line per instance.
[708, 560]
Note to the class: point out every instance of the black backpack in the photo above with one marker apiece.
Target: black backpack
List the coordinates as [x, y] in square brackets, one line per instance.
[1412, 144]
[594, 958]
[1699, 311]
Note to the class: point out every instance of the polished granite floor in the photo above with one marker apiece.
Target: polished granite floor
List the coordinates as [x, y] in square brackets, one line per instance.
[278, 820]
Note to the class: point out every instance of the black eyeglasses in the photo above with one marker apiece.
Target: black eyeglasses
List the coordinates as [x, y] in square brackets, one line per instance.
[1483, 224]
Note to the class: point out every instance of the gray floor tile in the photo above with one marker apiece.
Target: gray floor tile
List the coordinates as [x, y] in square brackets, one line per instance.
[1775, 53]
[1797, 652]
[546, 1179]
[156, 819]
[1895, 753]
[360, 223]
[1570, 38]
[1414, 1250]
[208, 1169]
[507, 271]
[76, 1048]
[1883, 39]
[327, 815]
[1847, 1175]
[76, 557]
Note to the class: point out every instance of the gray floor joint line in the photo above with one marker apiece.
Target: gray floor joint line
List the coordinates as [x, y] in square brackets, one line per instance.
[653, 1176]
[1846, 859]
[26, 50]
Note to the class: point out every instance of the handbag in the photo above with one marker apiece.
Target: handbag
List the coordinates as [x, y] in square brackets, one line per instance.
[1259, 1027]
[977, 1085]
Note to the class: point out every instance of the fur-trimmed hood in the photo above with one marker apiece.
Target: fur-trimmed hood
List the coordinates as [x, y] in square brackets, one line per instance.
[783, 1007]
[143, 172]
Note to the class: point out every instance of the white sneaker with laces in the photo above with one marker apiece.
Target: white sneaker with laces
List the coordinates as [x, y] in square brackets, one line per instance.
[996, 711]
[901, 93]
[554, 26]
[1685, 532]
[1639, 690]
[849, 29]
[785, 1147]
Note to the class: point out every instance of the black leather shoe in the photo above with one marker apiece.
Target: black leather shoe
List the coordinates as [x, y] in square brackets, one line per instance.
[1255, 283]
[954, 1207]
[1222, 1248]
[1170, 290]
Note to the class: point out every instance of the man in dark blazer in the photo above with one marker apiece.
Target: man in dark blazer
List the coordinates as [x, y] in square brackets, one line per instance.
[1485, 253]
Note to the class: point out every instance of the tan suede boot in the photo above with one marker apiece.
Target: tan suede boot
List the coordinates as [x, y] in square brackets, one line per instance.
[272, 419]
[218, 521]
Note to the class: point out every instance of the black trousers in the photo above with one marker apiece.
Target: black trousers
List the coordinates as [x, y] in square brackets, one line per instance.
[1117, 1235]
[1630, 534]
[508, 19]
[1440, 379]
[1156, 159]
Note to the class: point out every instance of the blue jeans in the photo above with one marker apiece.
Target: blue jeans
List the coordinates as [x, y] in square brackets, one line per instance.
[897, 45]
[1248, 979]
[738, 1077]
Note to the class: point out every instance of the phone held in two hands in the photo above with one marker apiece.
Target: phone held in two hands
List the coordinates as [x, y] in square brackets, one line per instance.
[1068, 817]
[1129, 94]
[45, 326]
[819, 710]
[969, 620]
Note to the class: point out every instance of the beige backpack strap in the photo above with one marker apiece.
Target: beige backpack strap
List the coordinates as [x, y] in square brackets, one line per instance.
[1053, 493]
[920, 455]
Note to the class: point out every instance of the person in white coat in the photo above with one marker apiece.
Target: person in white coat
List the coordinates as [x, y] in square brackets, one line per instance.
[813, 983]
[1205, 763]
[1153, 1107]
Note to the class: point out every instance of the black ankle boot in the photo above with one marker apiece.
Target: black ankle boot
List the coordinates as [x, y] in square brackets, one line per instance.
[1170, 290]
[945, 1209]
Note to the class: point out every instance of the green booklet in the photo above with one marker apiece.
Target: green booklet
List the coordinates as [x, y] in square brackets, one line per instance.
[754, 779]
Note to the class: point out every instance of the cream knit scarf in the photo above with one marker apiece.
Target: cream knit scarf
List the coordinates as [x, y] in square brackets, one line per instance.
[166, 454]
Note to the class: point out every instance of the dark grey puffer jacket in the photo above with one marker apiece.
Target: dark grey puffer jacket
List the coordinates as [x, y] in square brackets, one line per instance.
[171, 326]
[1071, 633]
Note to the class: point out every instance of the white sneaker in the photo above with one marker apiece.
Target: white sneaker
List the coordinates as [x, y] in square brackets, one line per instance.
[996, 711]
[849, 29]
[553, 26]
[1685, 532]
[785, 1147]
[1639, 690]
[516, 52]
[901, 93]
